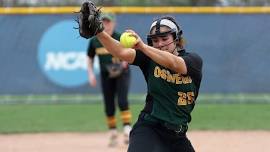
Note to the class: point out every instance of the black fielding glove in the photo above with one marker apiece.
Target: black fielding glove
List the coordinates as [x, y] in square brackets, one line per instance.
[89, 20]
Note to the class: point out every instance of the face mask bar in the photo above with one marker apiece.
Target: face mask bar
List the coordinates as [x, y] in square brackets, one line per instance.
[165, 22]
[150, 36]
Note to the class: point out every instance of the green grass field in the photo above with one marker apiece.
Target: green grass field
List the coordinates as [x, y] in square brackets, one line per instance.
[29, 118]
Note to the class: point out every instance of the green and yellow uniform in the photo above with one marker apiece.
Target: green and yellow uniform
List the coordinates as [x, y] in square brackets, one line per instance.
[105, 58]
[169, 102]
[171, 96]
[112, 86]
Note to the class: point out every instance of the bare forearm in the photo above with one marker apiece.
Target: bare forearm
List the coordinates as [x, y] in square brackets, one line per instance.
[110, 44]
[115, 48]
[166, 59]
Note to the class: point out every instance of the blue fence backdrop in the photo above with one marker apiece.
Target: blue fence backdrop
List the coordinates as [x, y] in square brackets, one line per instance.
[42, 54]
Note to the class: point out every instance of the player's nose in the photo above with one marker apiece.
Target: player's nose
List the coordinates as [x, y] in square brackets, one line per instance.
[159, 43]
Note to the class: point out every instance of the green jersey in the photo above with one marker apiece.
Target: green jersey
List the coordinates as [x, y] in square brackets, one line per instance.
[171, 96]
[105, 58]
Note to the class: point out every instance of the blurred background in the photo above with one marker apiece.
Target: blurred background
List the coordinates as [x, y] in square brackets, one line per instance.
[8, 3]
[43, 76]
[43, 58]
[44, 84]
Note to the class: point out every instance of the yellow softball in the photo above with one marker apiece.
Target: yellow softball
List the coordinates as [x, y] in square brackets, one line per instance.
[127, 40]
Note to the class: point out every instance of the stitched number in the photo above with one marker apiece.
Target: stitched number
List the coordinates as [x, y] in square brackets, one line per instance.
[190, 97]
[185, 98]
[182, 99]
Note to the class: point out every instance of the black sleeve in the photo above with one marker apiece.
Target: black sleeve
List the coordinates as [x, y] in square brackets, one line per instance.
[194, 64]
[91, 50]
[142, 61]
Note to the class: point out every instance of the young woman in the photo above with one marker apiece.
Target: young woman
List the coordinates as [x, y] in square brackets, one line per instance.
[173, 79]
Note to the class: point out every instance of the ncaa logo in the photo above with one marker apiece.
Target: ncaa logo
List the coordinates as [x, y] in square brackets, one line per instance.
[62, 55]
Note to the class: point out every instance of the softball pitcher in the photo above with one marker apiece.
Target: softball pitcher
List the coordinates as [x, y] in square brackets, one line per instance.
[173, 78]
[115, 78]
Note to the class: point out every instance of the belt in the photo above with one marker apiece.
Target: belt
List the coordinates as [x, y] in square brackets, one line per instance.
[176, 128]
